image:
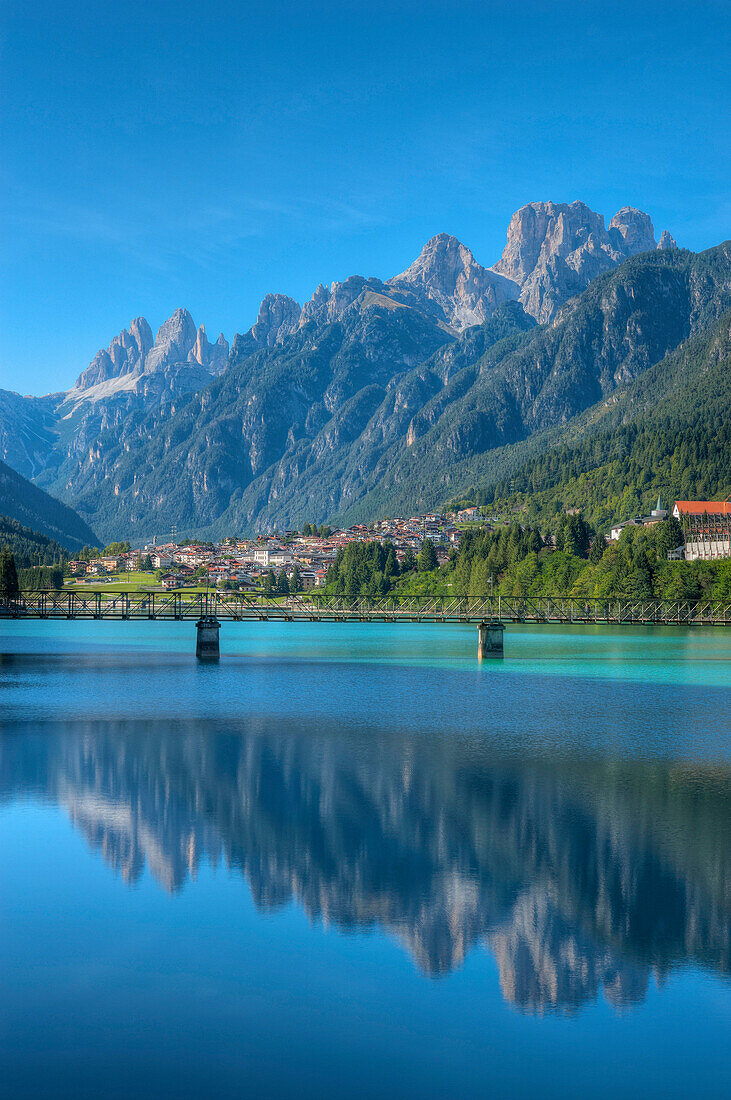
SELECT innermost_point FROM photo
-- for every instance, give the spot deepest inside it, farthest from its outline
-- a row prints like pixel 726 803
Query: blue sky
pixel 164 154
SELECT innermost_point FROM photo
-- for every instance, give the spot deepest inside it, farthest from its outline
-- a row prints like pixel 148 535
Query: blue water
pixel 347 860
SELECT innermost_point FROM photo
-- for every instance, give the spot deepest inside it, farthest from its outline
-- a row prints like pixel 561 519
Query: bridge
pixel 490 613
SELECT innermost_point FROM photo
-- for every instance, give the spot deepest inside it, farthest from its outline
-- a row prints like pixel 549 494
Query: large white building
pixel 706 528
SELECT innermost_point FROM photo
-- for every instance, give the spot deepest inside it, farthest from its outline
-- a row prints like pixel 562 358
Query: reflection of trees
pixel 578 875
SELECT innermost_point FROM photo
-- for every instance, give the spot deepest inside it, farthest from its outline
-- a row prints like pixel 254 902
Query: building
pixel 657 515
pixel 469 515
pixel 271 558
pixel 706 528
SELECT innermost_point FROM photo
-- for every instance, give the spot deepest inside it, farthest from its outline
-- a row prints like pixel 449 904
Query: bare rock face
pixel 666 241
pixel 326 305
pixel 200 351
pixel 631 231
pixel 141 333
pixel 213 357
pixel 219 354
pixel 541 230
pixel 554 250
pixel 180 358
pixel 175 338
pixel 125 353
pixel 278 316
pixel 447 274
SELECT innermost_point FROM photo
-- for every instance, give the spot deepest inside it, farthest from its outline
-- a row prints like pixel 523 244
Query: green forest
pixel 516 561
pixel 668 434
pixel 29 547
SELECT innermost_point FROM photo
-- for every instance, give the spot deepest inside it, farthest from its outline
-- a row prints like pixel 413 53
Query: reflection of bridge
pixel 490 612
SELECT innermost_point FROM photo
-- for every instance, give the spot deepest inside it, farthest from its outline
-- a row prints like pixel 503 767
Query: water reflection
pixel 580 875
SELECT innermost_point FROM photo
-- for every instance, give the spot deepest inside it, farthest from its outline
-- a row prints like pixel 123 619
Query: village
pixel 304 558
pixel 244 564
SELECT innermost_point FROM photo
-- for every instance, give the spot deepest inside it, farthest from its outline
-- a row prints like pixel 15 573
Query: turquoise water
pixel 347 860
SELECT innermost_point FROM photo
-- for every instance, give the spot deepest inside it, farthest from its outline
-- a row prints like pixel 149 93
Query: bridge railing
pixel 318 606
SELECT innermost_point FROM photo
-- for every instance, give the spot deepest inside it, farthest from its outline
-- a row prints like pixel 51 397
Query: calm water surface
pixel 348 861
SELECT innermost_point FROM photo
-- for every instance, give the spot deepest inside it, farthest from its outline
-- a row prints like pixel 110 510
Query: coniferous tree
pixel 9 587
pixel 427 559
pixel 409 563
pixel 391 567
pixel 282 584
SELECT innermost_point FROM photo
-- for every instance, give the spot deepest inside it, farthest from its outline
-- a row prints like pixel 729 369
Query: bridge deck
pixel 313 607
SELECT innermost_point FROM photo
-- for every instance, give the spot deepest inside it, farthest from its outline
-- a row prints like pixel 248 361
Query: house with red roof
pixel 706 528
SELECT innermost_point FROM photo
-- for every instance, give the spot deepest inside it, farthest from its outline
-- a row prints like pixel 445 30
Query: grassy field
pixel 120 582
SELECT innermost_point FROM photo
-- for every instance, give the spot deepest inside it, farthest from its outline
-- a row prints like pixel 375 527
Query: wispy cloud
pixel 159 238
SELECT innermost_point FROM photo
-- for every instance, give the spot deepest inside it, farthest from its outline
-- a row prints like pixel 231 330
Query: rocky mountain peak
pixel 133 356
pixel 142 334
pixel 213 357
pixel 446 274
pixel 177 335
pixel 540 230
pixel 326 305
pixel 632 231
pixel 278 316
pixel 554 250
pixel 124 355
pixel 666 241
pixel 201 348
pixel 440 264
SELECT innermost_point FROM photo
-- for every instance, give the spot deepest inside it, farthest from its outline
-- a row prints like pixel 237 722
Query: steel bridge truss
pixel 313 607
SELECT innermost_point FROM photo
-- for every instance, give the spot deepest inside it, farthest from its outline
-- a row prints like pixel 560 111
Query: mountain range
pixel 375 396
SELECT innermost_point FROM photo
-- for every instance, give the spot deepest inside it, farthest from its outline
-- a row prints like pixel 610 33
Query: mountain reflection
pixel 579 875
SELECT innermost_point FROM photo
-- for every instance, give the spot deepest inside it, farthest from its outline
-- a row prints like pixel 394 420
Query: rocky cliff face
pixel 666 240
pixel 632 232
pixel 446 275
pixel 126 351
pixel 212 357
pixel 278 317
pixel 554 250
pixel 132 357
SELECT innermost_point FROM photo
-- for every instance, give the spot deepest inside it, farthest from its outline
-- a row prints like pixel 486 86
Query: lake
pixel 349 861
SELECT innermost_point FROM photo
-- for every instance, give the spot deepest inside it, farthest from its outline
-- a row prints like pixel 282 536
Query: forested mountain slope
pixel 24 502
pixel 385 409
pixel 526 396
pixel 374 397
pixel 667 434
pixel 28 547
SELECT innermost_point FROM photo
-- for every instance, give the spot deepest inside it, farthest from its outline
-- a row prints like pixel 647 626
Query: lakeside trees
pixel 41 578
pixel 9 586
pixel 636 566
pixel 364 569
pixel 521 561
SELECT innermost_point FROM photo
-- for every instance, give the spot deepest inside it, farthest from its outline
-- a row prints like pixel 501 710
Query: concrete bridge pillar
pixel 206 646
pixel 490 640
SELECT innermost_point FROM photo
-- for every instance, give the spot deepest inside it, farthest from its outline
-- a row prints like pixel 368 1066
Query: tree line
pixel 578 562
